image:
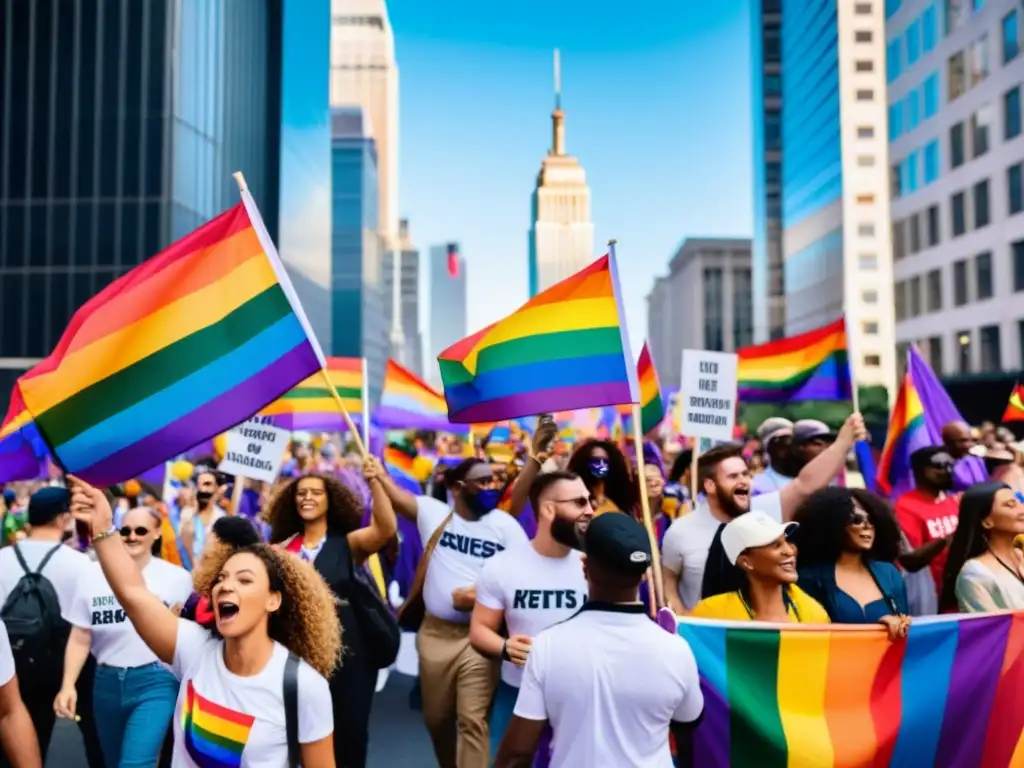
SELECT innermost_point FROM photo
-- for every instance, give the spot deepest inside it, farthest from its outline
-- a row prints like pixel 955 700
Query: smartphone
pixel 544 419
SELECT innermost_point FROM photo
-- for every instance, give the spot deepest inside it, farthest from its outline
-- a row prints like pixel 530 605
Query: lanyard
pixel 787 602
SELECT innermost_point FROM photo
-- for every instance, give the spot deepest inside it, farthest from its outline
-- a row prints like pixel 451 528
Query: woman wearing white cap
pixel 760 547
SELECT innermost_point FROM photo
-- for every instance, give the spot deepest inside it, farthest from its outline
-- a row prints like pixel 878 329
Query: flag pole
pixel 366 404
pixel 244 191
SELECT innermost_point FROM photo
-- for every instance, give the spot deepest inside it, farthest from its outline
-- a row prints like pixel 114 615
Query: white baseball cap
pixel 753 529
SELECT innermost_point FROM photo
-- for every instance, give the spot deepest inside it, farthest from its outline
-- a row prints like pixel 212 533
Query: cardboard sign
pixel 708 393
pixel 255 450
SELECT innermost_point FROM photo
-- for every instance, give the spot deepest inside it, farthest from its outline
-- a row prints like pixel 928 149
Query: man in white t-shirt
pixel 532 588
pixel 693 562
pixel 64 569
pixel 456 682
pixel 610 682
pixel 17 734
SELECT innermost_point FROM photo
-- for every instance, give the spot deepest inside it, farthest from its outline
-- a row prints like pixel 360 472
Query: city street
pixel 397 736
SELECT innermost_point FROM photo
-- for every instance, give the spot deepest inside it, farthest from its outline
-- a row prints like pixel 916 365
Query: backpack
pixel 34 624
pixel 381 635
pixel 291 710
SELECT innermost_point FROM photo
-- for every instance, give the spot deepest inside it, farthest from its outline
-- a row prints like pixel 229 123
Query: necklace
pixel 1015 572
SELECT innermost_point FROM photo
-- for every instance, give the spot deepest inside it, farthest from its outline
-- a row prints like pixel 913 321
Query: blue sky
pixel 656 96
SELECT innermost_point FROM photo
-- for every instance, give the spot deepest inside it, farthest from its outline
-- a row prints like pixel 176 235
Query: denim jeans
pixel 133 709
pixel 501 715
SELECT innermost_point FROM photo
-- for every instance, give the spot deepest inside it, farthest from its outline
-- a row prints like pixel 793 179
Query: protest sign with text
pixel 708 391
pixel 255 449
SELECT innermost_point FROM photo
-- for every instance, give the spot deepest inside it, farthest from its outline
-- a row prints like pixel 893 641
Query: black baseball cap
pixel 47 504
pixel 618 542
pixel 931 457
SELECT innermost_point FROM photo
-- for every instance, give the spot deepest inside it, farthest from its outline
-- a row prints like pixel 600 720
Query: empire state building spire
pixel 558 117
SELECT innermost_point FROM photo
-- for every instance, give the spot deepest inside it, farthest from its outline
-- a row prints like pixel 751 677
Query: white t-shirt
pixel 6 657
pixel 687 541
pixel 609 682
pixel 66 571
pixel 534 591
pixel 461 552
pixel 222 719
pixel 115 642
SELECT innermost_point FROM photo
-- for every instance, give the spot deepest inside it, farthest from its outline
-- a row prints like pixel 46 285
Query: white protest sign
pixel 708 391
pixel 255 449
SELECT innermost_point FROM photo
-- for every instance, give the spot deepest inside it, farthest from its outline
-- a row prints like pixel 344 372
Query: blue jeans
pixel 502 707
pixel 133 709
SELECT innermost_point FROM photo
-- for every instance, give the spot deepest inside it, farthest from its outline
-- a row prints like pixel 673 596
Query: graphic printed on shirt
pixel 215 736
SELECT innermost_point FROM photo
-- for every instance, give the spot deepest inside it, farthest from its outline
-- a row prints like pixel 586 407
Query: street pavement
pixel 397 735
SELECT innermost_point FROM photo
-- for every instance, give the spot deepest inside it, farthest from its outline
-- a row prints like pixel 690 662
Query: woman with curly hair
pixel 274 622
pixel 319 518
pixel 604 469
pixel 848 542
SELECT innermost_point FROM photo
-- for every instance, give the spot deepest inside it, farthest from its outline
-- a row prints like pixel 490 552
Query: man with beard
pixel 208 511
pixel 694 563
pixel 930 511
pixel 531 588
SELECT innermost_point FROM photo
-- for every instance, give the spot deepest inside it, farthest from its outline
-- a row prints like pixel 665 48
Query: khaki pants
pixel 456 685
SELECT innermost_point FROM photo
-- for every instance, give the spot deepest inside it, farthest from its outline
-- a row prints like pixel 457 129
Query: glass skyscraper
pixel 120 125
pixel 447 303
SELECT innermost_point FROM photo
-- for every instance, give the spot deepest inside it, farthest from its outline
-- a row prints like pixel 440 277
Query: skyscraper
pixel 408 298
pixel 447 304
pixel 119 133
pixel 357 304
pixel 835 179
pixel 561 233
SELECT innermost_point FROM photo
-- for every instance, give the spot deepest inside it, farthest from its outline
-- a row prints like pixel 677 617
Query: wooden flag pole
pixel 240 180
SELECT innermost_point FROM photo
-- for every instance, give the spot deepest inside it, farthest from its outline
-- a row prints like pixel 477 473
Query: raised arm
pixel 403 502
pixel 546 432
pixel 383 524
pixel 155 623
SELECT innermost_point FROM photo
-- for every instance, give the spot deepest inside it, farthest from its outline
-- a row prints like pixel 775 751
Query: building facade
pixel 955 74
pixel 835 184
pixel 357 305
pixel 120 126
pixel 766 245
pixel 407 320
pixel 448 322
pixel 705 302
pixel 561 232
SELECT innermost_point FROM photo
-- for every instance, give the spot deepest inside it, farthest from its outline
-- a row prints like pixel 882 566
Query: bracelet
pixel 504 652
pixel 106 534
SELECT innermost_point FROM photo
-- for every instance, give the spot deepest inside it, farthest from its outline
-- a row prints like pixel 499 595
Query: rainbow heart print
pixel 215 736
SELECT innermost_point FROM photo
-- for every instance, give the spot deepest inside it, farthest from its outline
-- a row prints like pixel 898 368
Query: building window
pixel 959 214
pixel 866 230
pixel 991 359
pixel 913 42
pixel 981 210
pixel 956 145
pixel 914 226
pixel 713 303
pixel 956 77
pixel 931 95
pixel 915 296
pixel 863 36
pixel 959 283
pixel 868 262
pixel 977 57
pixel 912 106
pixel 870 328
pixel 933 225
pixel 865 132
pixel 1014 190
pixel 929 28
pixel 893 60
pixel 957 13
pixel 931 161
pixel 933 291
pixel 742 309
pixel 862 9
pixel 865 94
pixel 773 131
pixel 1011 113
pixel 935 354
pixel 1011 36
pixel 872 361
pixel 865 161
pixel 1017 252
pixel 983 276
pixel 869 296
pixel 865 199
pixel 898 240
pixel 909 172
pixel 900 300
pixel 895 121
pixel 981 122
pixel 865 65
pixel 963 343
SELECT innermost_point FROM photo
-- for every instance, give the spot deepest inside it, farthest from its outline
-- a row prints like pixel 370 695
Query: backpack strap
pixel 43 562
pixel 291 709
pixel 421 570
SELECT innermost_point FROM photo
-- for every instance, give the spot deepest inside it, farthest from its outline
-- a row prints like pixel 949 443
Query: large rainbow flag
pixel 950 696
pixel 811 366
pixel 182 348
pixel 310 405
pixel 408 402
pixel 907 433
pixel 566 348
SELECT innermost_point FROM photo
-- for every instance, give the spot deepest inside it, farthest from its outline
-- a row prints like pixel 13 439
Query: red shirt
pixel 924 518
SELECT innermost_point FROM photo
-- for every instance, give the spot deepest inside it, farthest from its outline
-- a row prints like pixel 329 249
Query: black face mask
pixel 203 498
pixel 566 532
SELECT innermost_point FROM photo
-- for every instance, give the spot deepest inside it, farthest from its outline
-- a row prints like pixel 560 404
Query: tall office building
pixel 120 125
pixel 408 293
pixel 835 179
pixel 766 86
pixel 561 233
pixel 357 302
pixel 955 128
pixel 705 302
pixel 447 304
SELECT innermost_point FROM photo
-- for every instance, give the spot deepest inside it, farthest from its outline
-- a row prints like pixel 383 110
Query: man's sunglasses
pixel 580 502
pixel 139 531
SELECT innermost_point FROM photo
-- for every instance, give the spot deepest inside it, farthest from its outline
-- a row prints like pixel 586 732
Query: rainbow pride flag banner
pixel 408 402
pixel 950 696
pixel 566 348
pixel 401 466
pixel 185 346
pixel 652 404
pixel 907 433
pixel 310 406
pixel 811 366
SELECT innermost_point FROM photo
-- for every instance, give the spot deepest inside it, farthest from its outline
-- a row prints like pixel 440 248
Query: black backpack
pixel 34 624
pixel 377 624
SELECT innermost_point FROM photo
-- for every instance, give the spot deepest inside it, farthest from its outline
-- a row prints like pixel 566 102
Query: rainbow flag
pixel 399 464
pixel 652 405
pixel 565 348
pixel 907 433
pixel 811 366
pixel 23 452
pixel 408 402
pixel 182 348
pixel 214 736
pixel 1015 408
pixel 310 406
pixel 950 696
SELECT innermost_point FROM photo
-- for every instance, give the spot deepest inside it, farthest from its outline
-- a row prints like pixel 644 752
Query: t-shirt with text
pixel 115 642
pixel 221 719
pixel 924 518
pixel 534 591
pixel 461 552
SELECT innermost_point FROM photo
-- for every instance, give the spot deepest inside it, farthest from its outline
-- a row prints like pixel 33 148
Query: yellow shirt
pixel 606 506
pixel 729 607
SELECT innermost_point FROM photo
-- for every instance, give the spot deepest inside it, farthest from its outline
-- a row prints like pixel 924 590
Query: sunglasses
pixel 860 519
pixel 140 531
pixel 580 502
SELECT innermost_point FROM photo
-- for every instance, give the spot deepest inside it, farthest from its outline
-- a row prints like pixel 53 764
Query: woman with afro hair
pixel 319 518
